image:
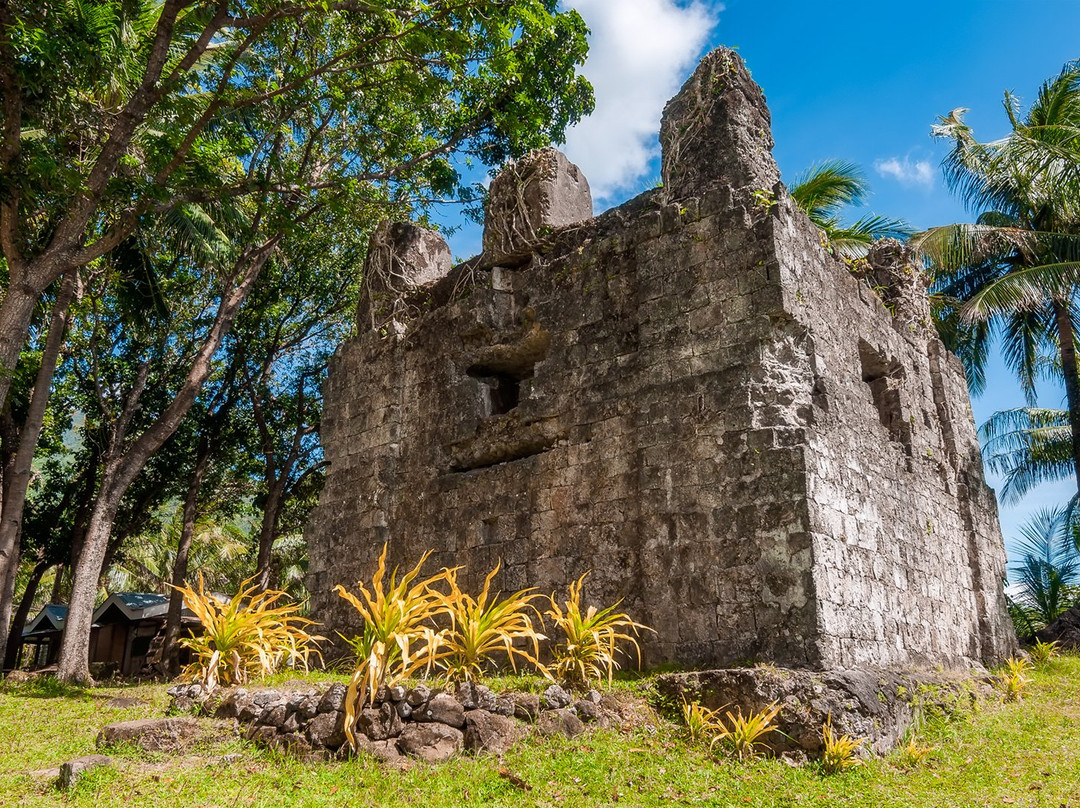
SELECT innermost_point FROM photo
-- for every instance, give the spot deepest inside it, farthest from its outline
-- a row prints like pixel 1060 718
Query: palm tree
pixel 1047 572
pixel 1028 446
pixel 1014 273
pixel 219 550
pixel 824 189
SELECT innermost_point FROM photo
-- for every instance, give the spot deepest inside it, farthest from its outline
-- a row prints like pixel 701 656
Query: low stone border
pixel 875 704
pixel 433 724
pixel 422 722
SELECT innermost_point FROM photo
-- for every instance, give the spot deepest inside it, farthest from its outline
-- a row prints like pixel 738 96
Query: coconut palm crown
pixel 823 190
pixel 1014 273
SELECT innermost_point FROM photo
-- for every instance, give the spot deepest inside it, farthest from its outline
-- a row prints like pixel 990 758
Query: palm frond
pixel 1047 569
pixel 1024 289
pixel 1029 446
pixel 822 190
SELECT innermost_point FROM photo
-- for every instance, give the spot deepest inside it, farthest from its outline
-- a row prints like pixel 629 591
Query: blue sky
pixel 855 81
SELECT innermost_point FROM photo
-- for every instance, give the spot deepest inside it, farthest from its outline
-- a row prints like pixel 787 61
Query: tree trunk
pixel 170 651
pixel 121 470
pixel 17 475
pixel 58 584
pixel 1067 349
pixel 271 510
pixel 16 314
pixel 74 666
pixel 22 613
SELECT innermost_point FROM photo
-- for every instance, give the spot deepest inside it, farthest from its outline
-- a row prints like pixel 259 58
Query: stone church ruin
pixel 764 456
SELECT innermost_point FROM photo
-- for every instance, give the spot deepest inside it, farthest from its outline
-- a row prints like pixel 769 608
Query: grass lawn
pixel 1018 754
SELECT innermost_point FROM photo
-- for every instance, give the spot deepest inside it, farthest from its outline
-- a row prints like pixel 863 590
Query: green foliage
pixel 184 153
pixel 219 550
pixel 838 752
pixel 1028 446
pixel 1012 680
pixel 1047 570
pixel 822 191
pixel 1043 652
pixel 402 88
pixel 764 199
pixel 250 634
pixel 590 637
pixel 485 628
pixel 1013 273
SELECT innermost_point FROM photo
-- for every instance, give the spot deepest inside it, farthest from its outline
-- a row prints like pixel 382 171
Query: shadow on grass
pixel 46 687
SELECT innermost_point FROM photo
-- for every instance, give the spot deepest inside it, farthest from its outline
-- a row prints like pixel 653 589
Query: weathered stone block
pixel 559 722
pixel 555 697
pixel 442 709
pixel 433 743
pixel 875 705
pixel 402 259
pixel 327 729
pixel 151 734
pixel 72 770
pixel 488 732
pixel 526 706
pixel 717 132
pixel 529 199
pixel 333 699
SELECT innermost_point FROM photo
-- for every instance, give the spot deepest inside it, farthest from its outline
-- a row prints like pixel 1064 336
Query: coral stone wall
pixel 691 398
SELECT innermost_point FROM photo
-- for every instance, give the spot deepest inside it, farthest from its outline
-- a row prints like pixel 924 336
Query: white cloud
pixel 906 171
pixel 640 53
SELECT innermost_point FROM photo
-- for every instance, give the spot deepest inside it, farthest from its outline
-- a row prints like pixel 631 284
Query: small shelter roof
pixel 134 606
pixel 51 618
pixel 131 606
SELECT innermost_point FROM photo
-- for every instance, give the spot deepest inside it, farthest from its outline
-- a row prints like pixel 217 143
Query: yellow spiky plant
pixel 251 634
pixel 485 627
pixel 1013 678
pixel 591 637
pixel 743 733
pixel 838 752
pixel 702 724
pixel 398 639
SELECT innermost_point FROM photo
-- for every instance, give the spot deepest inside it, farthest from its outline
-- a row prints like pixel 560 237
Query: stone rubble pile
pixel 422 722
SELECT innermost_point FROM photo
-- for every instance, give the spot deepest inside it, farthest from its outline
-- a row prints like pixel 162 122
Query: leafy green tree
pixel 824 190
pixel 116 110
pixel 270 120
pixel 292 327
pixel 1013 273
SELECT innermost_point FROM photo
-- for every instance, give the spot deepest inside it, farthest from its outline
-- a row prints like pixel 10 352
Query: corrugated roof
pixel 136 605
pixel 50 618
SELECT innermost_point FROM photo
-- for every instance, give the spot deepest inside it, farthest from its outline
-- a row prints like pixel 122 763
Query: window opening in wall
pixel 885 378
pixel 500 392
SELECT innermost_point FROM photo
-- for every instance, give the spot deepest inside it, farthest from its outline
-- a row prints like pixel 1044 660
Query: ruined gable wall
pixel 672 396
pixel 639 460
pixel 908 549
